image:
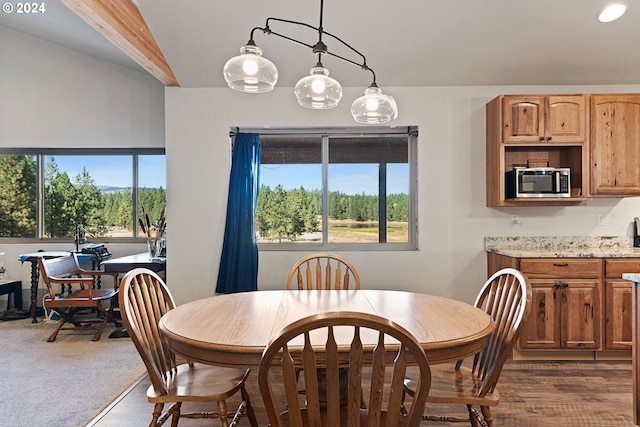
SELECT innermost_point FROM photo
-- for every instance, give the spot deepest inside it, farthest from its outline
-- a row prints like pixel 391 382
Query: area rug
pixel 64 383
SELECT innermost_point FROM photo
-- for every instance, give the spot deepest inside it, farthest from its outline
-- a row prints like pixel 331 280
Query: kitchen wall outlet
pixel 600 219
pixel 515 219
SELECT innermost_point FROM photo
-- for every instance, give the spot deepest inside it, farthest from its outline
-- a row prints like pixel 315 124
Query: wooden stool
pixel 12 287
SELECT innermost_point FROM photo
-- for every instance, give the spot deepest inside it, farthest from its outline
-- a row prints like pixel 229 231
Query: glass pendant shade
pixel 374 107
pixel 250 72
pixel 318 90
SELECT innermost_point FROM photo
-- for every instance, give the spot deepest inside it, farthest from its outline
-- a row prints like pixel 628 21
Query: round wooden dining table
pixel 234 329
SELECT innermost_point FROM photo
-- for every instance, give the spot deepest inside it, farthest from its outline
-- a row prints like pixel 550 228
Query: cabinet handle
pixel 565 285
pixel 541 138
pixel 548 138
pixel 560 264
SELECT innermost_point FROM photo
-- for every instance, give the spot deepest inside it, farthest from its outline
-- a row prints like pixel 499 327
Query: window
pixel 339 188
pixel 94 190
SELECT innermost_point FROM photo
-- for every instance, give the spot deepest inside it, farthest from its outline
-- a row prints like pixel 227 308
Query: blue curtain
pixel 239 261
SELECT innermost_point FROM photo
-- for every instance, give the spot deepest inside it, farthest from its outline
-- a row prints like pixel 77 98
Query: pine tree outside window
pixel 97 189
pixel 337 189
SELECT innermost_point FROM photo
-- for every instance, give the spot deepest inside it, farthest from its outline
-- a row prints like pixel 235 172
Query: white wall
pixel 452 217
pixel 54 96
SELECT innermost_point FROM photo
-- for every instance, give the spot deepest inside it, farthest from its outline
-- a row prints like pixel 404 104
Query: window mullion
pixel 325 189
pixel 382 202
pixel 134 195
pixel 40 185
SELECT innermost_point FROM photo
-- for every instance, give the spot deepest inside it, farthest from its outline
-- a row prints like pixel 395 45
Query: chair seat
pixel 200 383
pixel 465 386
pixel 80 296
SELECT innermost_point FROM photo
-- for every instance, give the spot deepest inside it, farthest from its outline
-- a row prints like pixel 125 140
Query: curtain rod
pixel 337 131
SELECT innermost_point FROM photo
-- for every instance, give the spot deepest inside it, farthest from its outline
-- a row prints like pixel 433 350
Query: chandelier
pixel 250 72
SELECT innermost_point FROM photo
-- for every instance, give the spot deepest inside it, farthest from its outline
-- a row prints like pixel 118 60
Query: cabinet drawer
pixel 561 267
pixel 614 268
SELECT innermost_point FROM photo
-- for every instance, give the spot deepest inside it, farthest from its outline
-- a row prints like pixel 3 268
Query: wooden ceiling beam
pixel 120 22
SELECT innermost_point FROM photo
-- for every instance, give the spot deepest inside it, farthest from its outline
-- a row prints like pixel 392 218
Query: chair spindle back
pixel 323 271
pixel 506 297
pixel 143 299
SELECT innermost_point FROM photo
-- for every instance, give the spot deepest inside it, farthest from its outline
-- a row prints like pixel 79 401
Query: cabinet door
pixel 615 145
pixel 618 312
pixel 541 329
pixel 523 118
pixel 566 118
pixel 580 318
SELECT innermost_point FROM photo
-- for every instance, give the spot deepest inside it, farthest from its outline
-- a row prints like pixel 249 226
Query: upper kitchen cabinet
pixel 535 131
pixel 552 119
pixel 615 145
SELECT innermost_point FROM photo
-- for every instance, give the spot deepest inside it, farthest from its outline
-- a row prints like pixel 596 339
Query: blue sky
pixel 116 171
pixel 346 178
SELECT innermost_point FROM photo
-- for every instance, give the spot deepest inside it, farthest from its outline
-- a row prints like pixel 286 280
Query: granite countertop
pixel 563 247
pixel 634 277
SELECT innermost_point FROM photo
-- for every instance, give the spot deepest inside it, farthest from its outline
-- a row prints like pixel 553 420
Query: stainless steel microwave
pixel 537 182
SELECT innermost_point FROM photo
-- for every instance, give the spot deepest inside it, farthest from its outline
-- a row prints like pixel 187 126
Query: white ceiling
pixel 406 42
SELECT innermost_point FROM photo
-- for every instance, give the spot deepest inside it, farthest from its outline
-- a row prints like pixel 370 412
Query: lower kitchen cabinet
pixel 619 320
pixel 541 328
pixel 565 314
pixel 566 309
pixel 619 303
pixel 577 303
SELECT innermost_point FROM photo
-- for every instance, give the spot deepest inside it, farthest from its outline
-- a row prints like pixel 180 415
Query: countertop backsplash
pixel 563 246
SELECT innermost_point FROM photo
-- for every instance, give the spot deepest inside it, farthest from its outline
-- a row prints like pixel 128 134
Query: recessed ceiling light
pixel 612 12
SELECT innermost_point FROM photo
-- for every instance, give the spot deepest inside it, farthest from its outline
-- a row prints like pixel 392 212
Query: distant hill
pixel 106 189
pixel 109 189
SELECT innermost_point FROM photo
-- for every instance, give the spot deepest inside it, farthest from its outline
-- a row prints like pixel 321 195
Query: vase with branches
pixel 152 231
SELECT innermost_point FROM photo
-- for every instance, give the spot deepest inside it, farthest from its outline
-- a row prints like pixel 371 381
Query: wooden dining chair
pixel 323 271
pixel 372 347
pixel 143 299
pixel 506 297
pixel 76 292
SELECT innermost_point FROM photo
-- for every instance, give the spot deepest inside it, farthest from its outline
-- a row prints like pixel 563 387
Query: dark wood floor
pixel 567 394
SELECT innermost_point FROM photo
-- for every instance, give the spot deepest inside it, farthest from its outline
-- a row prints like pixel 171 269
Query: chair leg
pixel 106 317
pixel 487 414
pixel 112 318
pixel 64 317
pixel 176 408
pixel 475 418
pixel 250 412
pixel 157 411
pixel 222 413
pixel 160 418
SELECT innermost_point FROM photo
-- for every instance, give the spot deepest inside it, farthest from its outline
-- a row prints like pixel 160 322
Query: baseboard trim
pixel 122 395
pixel 551 355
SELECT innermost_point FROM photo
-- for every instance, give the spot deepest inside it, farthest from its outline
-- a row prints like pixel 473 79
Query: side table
pixel 127 263
pixel 12 287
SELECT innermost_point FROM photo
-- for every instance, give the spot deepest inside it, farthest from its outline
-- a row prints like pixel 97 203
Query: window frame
pixel 41 153
pixel 325 133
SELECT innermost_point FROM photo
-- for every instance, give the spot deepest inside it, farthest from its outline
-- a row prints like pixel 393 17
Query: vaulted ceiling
pixel 406 42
